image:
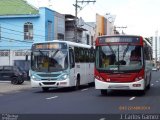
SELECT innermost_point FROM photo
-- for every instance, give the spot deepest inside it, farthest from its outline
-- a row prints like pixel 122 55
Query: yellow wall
pixel 100 27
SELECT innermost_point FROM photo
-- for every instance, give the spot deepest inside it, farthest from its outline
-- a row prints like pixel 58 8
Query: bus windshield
pixel 119 58
pixel 49 60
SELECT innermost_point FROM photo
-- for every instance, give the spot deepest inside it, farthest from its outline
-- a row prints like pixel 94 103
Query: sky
pixel 141 17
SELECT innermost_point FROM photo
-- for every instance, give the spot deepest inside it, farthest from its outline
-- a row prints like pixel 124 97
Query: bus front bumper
pixel 45 83
pixel 138 85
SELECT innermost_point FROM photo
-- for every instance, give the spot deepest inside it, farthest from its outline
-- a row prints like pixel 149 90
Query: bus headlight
pixel 65 76
pixel 33 78
pixel 138 78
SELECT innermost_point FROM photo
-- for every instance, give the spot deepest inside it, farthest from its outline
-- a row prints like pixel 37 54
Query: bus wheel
pixel 149 85
pixel 45 89
pixel 103 92
pixel 143 92
pixel 92 84
pixel 77 86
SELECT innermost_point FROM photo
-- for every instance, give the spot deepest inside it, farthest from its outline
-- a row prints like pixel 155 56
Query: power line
pixel 16 40
pixel 20 32
pixel 21 26
pixel 16 34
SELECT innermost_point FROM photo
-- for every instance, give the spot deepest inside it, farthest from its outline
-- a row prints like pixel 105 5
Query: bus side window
pixel 77 54
pixel 146 53
pixel 71 58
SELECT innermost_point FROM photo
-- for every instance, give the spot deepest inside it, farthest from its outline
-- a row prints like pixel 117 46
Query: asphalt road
pixel 87 100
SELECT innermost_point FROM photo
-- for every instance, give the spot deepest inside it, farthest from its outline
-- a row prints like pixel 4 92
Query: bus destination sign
pixel 48 46
pixel 103 40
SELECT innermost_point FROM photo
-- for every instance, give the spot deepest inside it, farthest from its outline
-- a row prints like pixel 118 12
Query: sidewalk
pixel 7 87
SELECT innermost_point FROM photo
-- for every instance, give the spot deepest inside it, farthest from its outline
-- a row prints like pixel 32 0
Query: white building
pixel 88 36
pixel 156 47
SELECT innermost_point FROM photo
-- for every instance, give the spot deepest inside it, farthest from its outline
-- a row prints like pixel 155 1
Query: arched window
pixel 28 31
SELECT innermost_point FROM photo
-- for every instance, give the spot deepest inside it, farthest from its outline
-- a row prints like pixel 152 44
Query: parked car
pixel 154 69
pixel 13 73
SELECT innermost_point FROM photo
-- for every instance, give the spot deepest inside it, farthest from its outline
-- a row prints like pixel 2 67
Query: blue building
pixel 21 25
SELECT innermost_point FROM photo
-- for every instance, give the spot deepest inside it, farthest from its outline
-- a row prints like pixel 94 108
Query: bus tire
pixel 92 84
pixel 143 92
pixel 77 86
pixel 149 85
pixel 103 92
pixel 45 89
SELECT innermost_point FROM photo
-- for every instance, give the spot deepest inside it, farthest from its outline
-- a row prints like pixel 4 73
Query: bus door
pixel 88 66
pixel 72 67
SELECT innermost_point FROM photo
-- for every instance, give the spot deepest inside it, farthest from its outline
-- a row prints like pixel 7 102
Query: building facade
pixel 156 48
pixel 89 36
pixel 104 26
pixel 21 25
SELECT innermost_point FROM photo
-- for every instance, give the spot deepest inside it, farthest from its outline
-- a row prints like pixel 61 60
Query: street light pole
pixel 76 9
pixel 156 33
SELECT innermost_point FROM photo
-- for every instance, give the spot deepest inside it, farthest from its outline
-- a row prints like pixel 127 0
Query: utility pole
pixel 156 36
pixel 76 11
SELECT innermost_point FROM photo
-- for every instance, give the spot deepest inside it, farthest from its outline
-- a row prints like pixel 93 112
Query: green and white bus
pixel 61 64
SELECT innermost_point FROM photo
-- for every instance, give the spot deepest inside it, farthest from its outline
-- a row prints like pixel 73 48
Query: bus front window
pixel 49 61
pixel 119 57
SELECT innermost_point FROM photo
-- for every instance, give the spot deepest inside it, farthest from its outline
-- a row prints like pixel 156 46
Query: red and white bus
pixel 123 62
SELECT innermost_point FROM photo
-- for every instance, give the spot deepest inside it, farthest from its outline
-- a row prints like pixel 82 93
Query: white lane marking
pixel 84 89
pixel 102 119
pixel 132 98
pixel 152 84
pixel 157 81
pixel 51 97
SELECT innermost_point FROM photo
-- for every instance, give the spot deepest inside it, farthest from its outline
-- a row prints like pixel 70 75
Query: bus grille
pixel 118 87
pixel 48 75
pixel 48 83
pixel 49 79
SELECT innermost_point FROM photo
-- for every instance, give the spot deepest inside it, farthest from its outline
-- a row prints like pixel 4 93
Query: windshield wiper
pixel 111 49
pixel 55 53
pixel 41 53
pixel 125 51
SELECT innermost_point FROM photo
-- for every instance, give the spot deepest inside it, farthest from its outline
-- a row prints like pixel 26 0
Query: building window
pixel 28 31
pixel 4 53
pixel 20 53
pixel 92 40
pixel 60 36
pixel 49 30
pixel 87 39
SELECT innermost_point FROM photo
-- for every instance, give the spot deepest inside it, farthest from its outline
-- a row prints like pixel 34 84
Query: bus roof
pixel 67 42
